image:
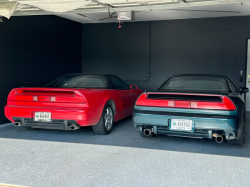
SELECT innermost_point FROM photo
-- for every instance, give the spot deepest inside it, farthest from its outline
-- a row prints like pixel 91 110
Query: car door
pixel 127 96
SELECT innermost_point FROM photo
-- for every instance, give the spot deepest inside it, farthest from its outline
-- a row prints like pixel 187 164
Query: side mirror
pixel 133 87
pixel 244 90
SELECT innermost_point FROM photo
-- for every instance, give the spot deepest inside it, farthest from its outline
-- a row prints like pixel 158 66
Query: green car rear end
pixel 188 115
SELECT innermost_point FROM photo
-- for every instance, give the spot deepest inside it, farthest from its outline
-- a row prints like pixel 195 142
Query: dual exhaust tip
pixel 218 138
pixel 71 127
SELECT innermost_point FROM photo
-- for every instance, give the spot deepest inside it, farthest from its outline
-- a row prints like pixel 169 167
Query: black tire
pixel 104 126
pixel 143 135
pixel 237 141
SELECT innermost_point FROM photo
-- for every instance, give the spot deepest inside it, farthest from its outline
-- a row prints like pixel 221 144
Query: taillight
pixel 224 104
pixel 61 97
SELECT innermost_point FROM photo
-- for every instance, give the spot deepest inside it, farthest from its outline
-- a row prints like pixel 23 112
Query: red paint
pixel 85 106
pixel 225 104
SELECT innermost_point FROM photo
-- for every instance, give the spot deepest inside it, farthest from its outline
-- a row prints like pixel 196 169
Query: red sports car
pixel 72 101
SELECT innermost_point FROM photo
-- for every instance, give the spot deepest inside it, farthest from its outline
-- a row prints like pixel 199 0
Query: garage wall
pixel 211 46
pixel 36 50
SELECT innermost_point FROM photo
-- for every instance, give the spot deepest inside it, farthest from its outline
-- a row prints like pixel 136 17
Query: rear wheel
pixel 104 126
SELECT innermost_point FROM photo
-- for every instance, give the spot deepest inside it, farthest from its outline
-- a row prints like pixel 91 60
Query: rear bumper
pixel 206 122
pixel 53 124
pixel 80 115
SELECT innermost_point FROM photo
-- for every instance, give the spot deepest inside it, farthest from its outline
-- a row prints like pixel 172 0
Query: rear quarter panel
pixel 97 99
pixel 239 102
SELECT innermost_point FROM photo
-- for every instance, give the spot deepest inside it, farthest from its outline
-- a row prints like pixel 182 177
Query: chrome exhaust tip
pixel 16 124
pixel 147 132
pixel 219 139
pixel 73 127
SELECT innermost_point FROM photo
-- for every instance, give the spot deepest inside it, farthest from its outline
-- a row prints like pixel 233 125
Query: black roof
pixel 102 74
pixel 205 75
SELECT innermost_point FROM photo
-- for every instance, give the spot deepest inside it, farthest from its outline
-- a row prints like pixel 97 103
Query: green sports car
pixel 193 105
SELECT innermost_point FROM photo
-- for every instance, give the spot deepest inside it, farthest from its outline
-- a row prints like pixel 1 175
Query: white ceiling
pixel 208 11
pixel 105 11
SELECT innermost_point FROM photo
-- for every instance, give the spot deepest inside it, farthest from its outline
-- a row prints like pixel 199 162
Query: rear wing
pixel 192 101
pixel 46 95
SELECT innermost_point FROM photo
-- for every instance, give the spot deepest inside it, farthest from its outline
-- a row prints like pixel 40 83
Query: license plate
pixel 181 125
pixel 42 116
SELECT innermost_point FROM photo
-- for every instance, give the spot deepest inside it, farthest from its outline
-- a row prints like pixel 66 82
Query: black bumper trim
pixel 185 114
pixel 53 124
pixel 183 134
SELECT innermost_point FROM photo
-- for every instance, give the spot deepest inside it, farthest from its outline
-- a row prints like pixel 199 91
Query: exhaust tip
pixel 147 132
pixel 16 124
pixel 219 139
pixel 73 127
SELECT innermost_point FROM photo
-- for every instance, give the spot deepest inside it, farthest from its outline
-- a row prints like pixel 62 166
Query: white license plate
pixel 181 125
pixel 42 116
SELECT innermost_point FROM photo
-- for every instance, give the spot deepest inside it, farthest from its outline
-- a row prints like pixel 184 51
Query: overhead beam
pixel 7 8
pixel 99 3
pixel 130 8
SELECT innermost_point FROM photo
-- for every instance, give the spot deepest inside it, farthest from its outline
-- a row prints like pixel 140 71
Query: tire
pixel 143 135
pixel 237 141
pixel 104 126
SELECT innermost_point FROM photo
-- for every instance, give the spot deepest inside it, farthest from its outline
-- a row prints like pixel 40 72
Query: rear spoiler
pixel 46 95
pixel 186 100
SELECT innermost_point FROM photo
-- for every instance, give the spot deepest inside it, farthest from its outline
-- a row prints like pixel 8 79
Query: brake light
pixel 224 104
pixel 43 96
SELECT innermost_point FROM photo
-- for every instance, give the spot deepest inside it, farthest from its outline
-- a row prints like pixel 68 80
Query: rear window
pixel 196 83
pixel 78 81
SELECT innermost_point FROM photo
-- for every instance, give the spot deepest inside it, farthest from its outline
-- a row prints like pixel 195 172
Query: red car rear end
pixel 68 108
pixel 63 104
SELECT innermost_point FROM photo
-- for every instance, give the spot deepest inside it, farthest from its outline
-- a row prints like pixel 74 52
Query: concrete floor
pixel 123 158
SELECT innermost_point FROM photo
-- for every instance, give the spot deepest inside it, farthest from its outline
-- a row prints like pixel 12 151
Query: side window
pixel 231 86
pixel 118 83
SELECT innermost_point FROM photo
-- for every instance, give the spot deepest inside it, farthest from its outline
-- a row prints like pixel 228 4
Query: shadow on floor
pixel 123 134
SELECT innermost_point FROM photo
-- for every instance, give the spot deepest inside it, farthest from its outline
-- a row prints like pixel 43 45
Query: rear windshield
pixel 79 81
pixel 196 83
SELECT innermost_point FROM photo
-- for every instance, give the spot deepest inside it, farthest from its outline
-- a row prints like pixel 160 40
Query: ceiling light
pixel 126 15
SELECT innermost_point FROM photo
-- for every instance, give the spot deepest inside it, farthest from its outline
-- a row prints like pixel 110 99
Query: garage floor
pixel 123 158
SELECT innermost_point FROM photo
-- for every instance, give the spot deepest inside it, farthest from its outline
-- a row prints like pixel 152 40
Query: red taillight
pixel 60 97
pixel 224 104
pixel 68 99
